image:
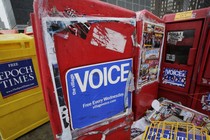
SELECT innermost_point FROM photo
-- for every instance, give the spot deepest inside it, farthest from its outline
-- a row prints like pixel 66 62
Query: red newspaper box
pixel 185 62
pixel 96 62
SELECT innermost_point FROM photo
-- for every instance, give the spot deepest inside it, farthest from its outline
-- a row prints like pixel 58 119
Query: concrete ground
pixel 42 132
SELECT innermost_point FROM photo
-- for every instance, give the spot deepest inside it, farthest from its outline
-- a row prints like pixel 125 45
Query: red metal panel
pixel 119 128
pixel 46 80
pixel 143 98
pixel 207 69
pixel 204 74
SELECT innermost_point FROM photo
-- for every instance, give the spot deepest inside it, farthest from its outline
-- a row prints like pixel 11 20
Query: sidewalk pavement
pixel 43 132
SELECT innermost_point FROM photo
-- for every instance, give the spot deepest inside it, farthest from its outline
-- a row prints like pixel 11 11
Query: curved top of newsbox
pixel 187 15
pixel 146 15
pixel 80 8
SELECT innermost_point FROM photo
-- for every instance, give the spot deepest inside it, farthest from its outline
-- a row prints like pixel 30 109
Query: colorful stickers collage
pixel 150 53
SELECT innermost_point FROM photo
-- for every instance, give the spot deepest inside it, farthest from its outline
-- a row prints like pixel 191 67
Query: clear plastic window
pixel 178 46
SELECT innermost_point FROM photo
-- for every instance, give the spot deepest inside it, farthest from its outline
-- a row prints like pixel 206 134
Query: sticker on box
pixel 174 77
pixel 17 76
pixel 152 54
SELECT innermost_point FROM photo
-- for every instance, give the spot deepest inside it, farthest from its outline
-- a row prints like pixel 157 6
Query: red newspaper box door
pixel 181 55
pixel 150 36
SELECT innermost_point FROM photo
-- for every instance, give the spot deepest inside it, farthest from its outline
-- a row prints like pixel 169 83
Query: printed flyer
pixel 153 35
pixel 17 76
pixel 205 101
pixel 174 37
pixel 174 77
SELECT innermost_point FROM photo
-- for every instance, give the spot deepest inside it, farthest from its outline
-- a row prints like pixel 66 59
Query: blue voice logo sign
pixel 104 77
pixel 97 92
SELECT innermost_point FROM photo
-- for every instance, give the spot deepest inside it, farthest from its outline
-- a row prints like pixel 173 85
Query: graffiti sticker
pixel 174 77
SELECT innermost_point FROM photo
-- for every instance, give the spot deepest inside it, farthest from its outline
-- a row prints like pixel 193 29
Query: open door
pixel 179 59
pixel 179 54
pixel 182 53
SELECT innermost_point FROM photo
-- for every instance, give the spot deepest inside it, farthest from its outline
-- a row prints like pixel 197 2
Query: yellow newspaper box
pixel 22 106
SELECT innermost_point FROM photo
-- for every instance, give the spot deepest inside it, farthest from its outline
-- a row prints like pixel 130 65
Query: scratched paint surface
pixel 109 39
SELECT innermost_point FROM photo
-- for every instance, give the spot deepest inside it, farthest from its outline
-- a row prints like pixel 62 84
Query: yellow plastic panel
pixel 25 109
